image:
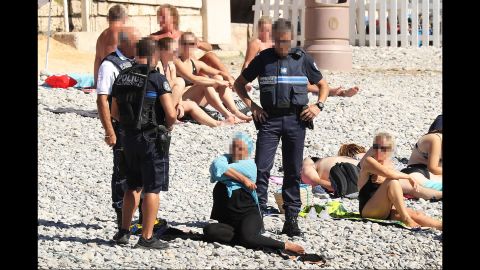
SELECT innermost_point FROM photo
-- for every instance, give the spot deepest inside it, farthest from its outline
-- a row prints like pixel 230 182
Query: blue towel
pixel 83 79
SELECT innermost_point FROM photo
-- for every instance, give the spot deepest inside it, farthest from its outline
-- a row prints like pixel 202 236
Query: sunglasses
pixel 382 148
pixel 189 43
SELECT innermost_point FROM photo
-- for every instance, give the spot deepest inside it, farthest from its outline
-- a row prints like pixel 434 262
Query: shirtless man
pixel 108 39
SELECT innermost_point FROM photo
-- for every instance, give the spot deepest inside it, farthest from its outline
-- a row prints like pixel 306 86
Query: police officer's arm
pixel 104 114
pixel 104 84
pixel 166 99
pixel 199 80
pixel 248 75
pixel 314 77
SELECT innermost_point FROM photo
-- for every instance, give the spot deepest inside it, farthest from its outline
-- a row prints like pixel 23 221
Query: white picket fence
pixel 371 14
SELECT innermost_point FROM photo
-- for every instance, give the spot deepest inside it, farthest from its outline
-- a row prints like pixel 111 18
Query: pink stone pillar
pixel 327 34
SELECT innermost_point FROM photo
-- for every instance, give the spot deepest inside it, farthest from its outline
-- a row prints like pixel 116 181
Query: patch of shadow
pixel 97 241
pixel 62 225
pixel 84 113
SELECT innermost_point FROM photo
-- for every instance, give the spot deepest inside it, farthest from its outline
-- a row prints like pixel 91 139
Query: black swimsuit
pixel 194 72
pixel 366 192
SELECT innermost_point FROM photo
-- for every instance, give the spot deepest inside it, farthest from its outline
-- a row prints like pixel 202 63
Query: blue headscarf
pixel 246 139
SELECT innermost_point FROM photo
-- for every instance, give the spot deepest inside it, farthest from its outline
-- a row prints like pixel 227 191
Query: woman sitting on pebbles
pixel 380 192
pixel 235 202
pixel 212 90
pixel 264 41
pixel 167 47
pixel 425 163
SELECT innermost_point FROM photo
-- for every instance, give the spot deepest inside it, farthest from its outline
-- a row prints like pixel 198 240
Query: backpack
pixel 344 177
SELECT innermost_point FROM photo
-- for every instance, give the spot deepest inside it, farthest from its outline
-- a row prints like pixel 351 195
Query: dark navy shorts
pixel 147 166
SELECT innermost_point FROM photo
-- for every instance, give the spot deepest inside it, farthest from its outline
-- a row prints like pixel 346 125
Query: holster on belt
pixel 163 139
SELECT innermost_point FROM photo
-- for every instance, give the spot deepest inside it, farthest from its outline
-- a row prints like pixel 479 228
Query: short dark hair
pixel 282 26
pixel 165 43
pixel 146 47
pixel 116 13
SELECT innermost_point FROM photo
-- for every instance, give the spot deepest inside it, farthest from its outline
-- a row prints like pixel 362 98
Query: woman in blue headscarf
pixel 235 202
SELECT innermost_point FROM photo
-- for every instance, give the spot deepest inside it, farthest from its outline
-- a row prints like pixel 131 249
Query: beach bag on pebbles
pixel 306 197
pixel 344 177
pixel 63 81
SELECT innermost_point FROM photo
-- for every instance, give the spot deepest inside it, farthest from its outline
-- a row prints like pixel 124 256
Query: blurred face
pixel 170 53
pixel 283 43
pixel 265 32
pixel 238 150
pixel 165 20
pixel 188 45
pixel 382 148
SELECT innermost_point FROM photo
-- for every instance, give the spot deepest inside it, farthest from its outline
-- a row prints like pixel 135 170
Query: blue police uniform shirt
pixel 283 81
pixel 157 85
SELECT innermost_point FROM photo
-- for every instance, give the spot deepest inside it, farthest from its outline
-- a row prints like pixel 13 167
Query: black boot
pixel 290 227
pixel 119 217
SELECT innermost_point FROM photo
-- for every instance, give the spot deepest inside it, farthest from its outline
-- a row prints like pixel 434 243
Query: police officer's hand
pixel 259 115
pixel 111 140
pixel 311 112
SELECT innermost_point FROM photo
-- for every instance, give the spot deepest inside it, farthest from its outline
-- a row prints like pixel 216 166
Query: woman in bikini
pixel 264 41
pixel 168 47
pixel 425 163
pixel 213 90
pixel 169 21
pixel 380 192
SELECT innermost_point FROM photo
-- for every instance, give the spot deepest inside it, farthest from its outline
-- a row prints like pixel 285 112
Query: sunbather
pixel 215 91
pixel 380 192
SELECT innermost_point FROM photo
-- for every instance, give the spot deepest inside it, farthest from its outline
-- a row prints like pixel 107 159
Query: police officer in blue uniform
pixel 142 98
pixel 121 59
pixel 283 73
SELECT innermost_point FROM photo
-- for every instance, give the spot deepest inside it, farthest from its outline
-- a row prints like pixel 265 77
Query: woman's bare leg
pixel 423 192
pixel 420 218
pixel 380 204
pixel 338 91
pixel 198 93
pixel 201 116
pixel 226 95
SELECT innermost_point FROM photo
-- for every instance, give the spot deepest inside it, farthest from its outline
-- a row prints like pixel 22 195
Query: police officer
pixel 283 74
pixel 111 65
pixel 142 98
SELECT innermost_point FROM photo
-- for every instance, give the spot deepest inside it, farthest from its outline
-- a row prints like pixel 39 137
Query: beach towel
pixel 337 211
pixel 84 80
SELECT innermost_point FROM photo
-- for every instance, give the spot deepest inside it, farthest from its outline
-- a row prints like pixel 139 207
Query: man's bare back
pixel 106 43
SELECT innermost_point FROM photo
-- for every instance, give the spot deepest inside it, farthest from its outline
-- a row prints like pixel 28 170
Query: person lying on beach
pixel 108 40
pixel 169 21
pixel 264 41
pixel 425 162
pixel 316 171
pixel 168 48
pixel 235 201
pixel 380 192
pixel 212 90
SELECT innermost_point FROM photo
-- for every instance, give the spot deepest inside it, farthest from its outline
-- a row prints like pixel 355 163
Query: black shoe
pixel 152 243
pixel 268 210
pixel 290 227
pixel 122 237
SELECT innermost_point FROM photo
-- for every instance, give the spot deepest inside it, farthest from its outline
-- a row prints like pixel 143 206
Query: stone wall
pixel 142 14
